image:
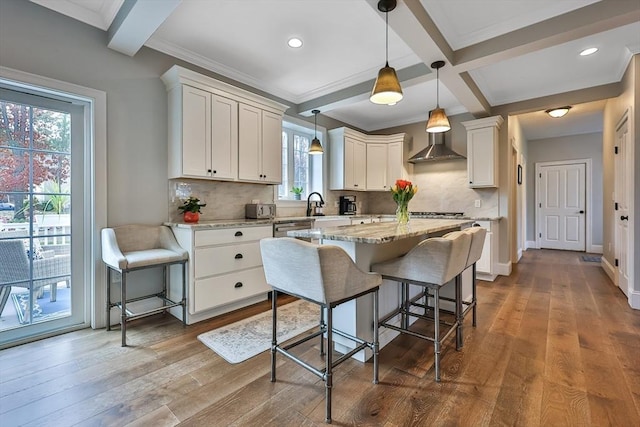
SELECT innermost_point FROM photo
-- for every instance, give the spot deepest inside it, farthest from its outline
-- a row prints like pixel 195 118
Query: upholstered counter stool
pixel 135 247
pixel 324 275
pixel 462 305
pixel 432 263
pixel 478 235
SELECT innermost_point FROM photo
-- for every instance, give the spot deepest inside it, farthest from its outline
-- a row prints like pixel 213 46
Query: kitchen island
pixel 368 244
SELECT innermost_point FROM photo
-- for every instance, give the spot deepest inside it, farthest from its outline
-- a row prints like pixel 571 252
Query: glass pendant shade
pixel 387 88
pixel 438 121
pixel 316 146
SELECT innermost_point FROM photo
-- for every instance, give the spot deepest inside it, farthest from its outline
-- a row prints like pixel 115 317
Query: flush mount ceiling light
pixel 558 112
pixel 438 121
pixel 589 51
pixel 294 42
pixel 316 147
pixel 387 88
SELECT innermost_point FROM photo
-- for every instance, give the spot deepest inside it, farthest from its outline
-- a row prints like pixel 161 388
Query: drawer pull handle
pixel 238 256
pixel 238 234
pixel 238 285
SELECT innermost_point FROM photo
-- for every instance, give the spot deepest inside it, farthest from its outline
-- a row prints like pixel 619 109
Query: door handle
pixel 624 218
pixel 581 212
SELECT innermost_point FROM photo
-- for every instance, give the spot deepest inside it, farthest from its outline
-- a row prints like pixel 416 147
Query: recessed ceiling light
pixel 589 51
pixel 558 112
pixel 294 42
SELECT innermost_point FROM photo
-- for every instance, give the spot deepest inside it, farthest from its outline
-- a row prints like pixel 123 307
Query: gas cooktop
pixel 436 214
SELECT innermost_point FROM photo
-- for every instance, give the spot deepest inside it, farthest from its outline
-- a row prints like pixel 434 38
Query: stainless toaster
pixel 260 211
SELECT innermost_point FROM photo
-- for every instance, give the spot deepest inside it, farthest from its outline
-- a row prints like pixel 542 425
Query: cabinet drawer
pixel 231 235
pixel 227 288
pixel 224 259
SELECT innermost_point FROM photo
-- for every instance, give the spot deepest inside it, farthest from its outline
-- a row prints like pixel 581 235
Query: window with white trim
pixel 299 169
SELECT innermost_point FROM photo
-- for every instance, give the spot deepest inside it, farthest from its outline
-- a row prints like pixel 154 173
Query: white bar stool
pixel 432 263
pixel 324 275
pixel 135 247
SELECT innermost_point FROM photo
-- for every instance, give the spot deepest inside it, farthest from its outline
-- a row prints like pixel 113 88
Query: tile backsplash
pixel 225 200
pixel 442 187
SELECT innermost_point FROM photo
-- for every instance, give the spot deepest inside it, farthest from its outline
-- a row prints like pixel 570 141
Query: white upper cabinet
pixel 218 131
pixel 397 168
pixel 224 138
pixel 260 145
pixel 482 151
pixel 347 157
pixel 377 166
pixel 366 162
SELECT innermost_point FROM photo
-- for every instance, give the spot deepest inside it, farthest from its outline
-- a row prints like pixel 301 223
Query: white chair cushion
pixel 324 274
pixel 135 246
pixel 435 261
pixel 137 259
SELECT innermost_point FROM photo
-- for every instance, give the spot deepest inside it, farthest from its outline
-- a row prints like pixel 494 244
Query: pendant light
pixel 438 121
pixel 316 147
pixel 387 88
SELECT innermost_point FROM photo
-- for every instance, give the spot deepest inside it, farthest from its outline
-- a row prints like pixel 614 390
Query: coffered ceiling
pixel 515 54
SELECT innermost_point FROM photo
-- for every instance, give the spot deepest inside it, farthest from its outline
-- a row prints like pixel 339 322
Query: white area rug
pixel 239 341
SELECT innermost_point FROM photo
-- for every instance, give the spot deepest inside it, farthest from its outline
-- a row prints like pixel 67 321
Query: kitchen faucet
pixel 309 202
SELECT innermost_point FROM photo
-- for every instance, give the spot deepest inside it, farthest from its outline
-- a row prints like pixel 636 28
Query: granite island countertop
pixel 381 232
pixel 242 222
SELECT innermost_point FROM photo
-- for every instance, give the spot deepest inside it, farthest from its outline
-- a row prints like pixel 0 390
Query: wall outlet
pixel 477 203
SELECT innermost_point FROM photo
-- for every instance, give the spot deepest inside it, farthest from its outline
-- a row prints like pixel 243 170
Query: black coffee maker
pixel 347 205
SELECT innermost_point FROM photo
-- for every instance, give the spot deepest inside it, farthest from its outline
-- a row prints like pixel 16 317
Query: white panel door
pixel 561 206
pixel 622 192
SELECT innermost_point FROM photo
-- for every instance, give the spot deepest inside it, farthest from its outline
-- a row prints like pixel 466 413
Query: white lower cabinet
pixel 224 269
pixel 486 265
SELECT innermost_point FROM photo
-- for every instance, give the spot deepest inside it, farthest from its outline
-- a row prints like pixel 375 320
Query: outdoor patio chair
pixel 14 270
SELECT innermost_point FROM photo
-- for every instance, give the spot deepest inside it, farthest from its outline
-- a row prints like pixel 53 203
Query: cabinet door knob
pixel 238 285
pixel 215 171
pixel 208 170
pixel 238 234
pixel 238 256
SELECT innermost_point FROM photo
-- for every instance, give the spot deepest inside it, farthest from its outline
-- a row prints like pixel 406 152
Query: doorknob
pixel 624 218
pixel 581 212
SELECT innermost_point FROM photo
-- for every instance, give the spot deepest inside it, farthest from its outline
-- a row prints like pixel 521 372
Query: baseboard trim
pixel 503 269
pixel 634 299
pixel 596 249
pixel 609 270
pixel 531 244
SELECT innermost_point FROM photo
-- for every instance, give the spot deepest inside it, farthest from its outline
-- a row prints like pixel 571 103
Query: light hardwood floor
pixel 556 345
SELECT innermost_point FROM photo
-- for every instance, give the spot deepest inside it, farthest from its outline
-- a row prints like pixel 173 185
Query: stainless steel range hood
pixel 437 150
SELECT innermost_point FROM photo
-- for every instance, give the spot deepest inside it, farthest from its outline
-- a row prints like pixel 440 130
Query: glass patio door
pixel 40 139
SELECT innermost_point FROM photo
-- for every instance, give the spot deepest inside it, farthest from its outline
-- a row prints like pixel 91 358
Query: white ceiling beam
pixel 136 21
pixel 592 19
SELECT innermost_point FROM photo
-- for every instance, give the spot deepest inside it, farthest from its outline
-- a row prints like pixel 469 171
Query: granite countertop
pixel 242 222
pixel 381 232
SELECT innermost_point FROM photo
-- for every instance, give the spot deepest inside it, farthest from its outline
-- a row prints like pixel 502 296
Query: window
pixel 299 169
